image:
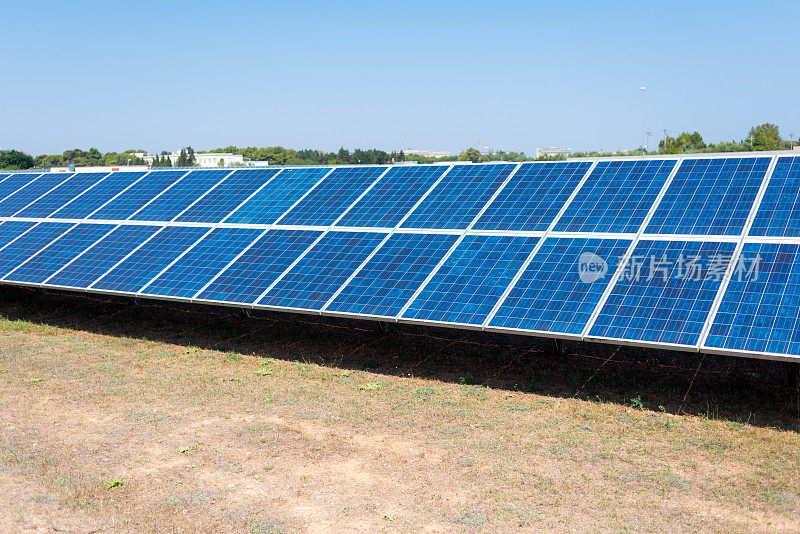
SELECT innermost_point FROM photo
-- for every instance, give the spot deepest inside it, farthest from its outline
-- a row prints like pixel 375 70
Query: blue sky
pixel 391 75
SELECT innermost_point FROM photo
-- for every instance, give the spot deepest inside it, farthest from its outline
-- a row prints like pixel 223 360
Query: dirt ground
pixel 164 418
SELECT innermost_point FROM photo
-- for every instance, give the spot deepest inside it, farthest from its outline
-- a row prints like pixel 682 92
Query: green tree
pixel 470 154
pixel 190 159
pixel 15 160
pixel 765 137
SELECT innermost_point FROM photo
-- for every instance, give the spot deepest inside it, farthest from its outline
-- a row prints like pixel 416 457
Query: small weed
pixel 637 403
pixel 263 372
pixel 390 516
pixel 233 357
pixel 370 386
pixel 116 483
pixel 268 527
pixel 426 391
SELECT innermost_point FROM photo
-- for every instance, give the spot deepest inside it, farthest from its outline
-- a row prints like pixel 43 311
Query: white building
pixel 427 153
pixel 209 159
pixel 551 151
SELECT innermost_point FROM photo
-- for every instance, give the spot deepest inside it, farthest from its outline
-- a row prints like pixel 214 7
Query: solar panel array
pixel 684 252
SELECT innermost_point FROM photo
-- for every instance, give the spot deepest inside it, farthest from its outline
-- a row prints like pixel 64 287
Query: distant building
pixel 427 153
pixel 129 168
pixel 208 159
pixel 551 151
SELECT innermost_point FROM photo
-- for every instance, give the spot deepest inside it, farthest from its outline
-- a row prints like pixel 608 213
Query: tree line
pixel 763 137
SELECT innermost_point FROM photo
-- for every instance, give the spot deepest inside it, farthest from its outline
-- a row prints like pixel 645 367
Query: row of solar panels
pixel 451 272
pixel 705 196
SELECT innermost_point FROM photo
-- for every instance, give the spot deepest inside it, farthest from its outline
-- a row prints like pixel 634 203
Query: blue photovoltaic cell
pixel 30 243
pixel 24 196
pixel 10 230
pixel 13 182
pixel 216 205
pixel 393 274
pixel 138 269
pixel 616 197
pixel 709 196
pixel 137 195
pixel 779 211
pixel 332 197
pixel 459 197
pixel 101 257
pixel 250 275
pixel 533 197
pixel 277 196
pixel 95 197
pixel 180 196
pixel 391 198
pixel 198 266
pixel 59 253
pixel 472 279
pixel 558 291
pixel 760 309
pixel 665 292
pixel 62 194
pixel 322 271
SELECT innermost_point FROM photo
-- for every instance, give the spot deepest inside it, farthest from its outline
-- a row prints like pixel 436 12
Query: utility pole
pixel 665 139
pixel 791 141
pixel 644 146
pixel 649 137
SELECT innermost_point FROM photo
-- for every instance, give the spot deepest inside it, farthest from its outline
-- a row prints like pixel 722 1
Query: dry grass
pixel 163 419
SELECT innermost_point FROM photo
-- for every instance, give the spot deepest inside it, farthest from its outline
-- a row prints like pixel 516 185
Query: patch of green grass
pixel 370 386
pixel 116 483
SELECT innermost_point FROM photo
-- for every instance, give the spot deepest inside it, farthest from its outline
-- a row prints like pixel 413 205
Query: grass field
pixel 163 418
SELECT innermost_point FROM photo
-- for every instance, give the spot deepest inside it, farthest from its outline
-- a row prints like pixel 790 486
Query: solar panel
pixel 28 244
pixel 709 196
pixel 30 192
pixel 171 202
pixel 14 183
pixel 190 273
pixel 397 192
pixel 533 197
pixel 11 230
pixel 316 277
pixel 392 276
pixel 459 197
pixel 137 195
pixel 247 278
pixel 101 256
pixel 760 307
pixel 529 248
pixel 665 292
pixel 561 286
pixel 61 194
pixel 472 279
pixel 616 197
pixel 223 199
pixel 326 202
pixel 58 253
pixel 779 211
pixel 146 262
pixel 276 197
pixel 95 197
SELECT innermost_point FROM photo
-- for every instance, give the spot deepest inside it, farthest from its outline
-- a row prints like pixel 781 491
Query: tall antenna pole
pixel 644 131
